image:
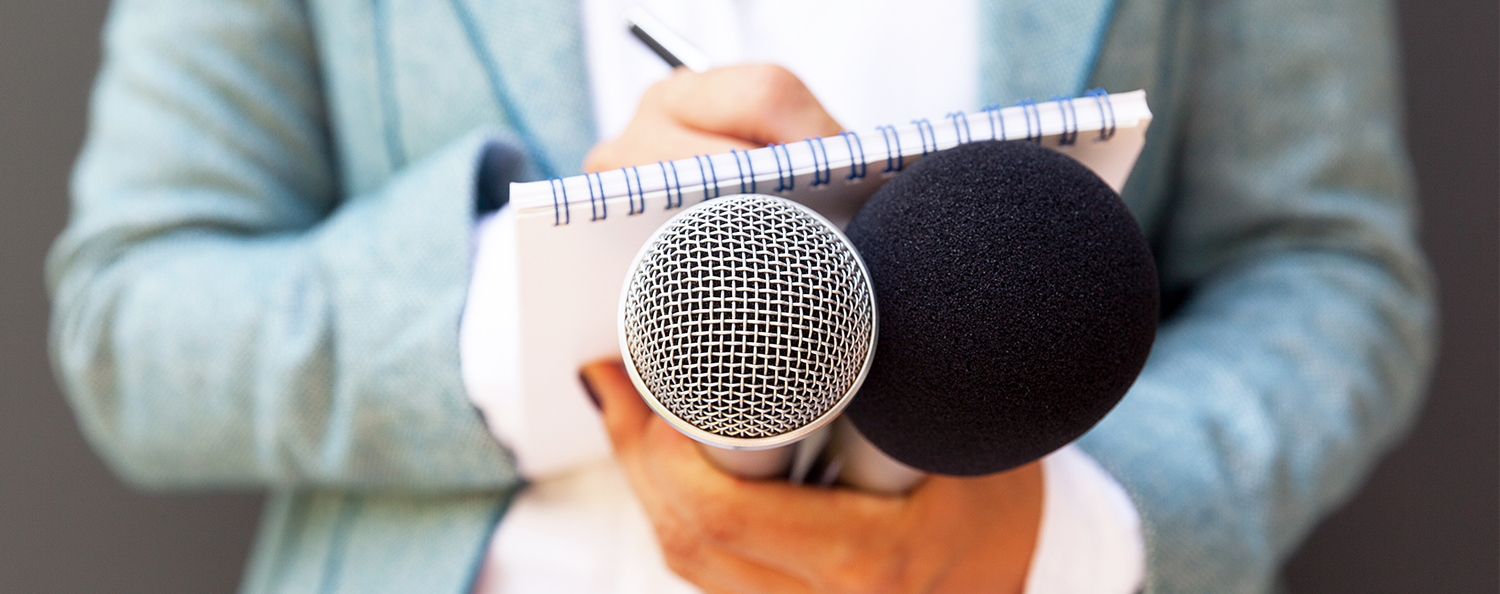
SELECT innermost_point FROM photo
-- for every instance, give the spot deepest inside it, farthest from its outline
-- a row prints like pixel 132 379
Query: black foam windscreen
pixel 1018 302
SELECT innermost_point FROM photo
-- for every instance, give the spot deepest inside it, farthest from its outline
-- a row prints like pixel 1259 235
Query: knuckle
pixel 865 576
pixel 677 544
pixel 718 523
pixel 776 77
pixel 705 502
pixel 597 158
pixel 680 566
pixel 670 95
pixel 658 91
pixel 773 87
pixel 682 557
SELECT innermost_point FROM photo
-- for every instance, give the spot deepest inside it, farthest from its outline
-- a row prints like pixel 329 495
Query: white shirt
pixel 581 529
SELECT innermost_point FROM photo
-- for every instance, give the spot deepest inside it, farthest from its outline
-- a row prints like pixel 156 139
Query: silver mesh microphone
pixel 748 322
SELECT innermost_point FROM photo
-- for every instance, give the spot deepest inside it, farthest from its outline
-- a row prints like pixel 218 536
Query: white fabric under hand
pixel 1090 539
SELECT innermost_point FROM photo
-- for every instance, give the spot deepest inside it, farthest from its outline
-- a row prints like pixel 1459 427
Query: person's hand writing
pixel 734 107
pixel 727 534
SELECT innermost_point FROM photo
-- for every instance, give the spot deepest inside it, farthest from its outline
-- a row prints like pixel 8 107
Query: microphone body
pixel 850 459
pixel 1018 302
pixel 748 323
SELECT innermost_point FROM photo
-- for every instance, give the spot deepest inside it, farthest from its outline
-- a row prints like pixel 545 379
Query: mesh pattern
pixel 748 318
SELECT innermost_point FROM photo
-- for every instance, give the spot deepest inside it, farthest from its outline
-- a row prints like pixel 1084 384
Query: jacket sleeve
pixel 1305 333
pixel 222 315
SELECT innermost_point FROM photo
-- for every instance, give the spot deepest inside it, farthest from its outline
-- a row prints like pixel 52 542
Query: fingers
pixel 728 534
pixel 625 415
pixel 809 532
pixel 730 108
pixel 836 551
pixel 760 103
pixel 644 442
pixel 649 142
pixel 663 467
pixel 715 570
pixel 951 535
pixel 773 523
pixel 997 535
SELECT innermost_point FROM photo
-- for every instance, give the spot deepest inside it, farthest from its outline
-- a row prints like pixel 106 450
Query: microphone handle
pixel 794 461
pixel 852 460
pixel 840 451
pixel 753 464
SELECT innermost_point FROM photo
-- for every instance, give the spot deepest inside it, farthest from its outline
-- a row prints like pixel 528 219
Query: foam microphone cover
pixel 1018 301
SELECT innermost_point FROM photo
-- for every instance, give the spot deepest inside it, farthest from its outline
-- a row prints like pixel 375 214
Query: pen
pixel 670 46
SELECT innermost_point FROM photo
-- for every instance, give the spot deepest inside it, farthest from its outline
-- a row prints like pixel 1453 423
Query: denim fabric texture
pixel 261 281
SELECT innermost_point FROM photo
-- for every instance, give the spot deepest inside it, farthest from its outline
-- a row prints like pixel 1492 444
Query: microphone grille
pixel 748 317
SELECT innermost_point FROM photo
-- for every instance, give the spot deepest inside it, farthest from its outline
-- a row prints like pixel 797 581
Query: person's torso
pixel 403 79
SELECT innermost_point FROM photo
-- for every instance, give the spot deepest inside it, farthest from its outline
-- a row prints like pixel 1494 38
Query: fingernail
pixel 588 388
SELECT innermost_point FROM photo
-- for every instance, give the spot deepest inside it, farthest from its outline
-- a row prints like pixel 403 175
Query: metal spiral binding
pixel 629 195
pixel 669 182
pixel 855 165
pixel 639 188
pixel 1065 105
pixel 886 132
pixel 817 179
pixel 602 206
pixel 992 113
pixel 1101 98
pixel 704 176
pixel 827 165
pixel 564 217
pixel 788 180
pixel 964 135
pixel 786 174
pixel 741 168
pixel 1028 108
pixel 924 132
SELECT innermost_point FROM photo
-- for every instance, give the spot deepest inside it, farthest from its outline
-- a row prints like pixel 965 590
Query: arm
pixel 1306 333
pixel 222 315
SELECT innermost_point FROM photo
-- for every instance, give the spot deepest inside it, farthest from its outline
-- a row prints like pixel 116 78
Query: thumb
pixel 626 416
pixel 757 103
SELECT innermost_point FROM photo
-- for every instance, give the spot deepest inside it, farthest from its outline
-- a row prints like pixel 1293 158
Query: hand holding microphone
pixel 727 534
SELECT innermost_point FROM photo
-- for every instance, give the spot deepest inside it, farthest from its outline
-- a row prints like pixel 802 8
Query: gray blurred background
pixel 1428 520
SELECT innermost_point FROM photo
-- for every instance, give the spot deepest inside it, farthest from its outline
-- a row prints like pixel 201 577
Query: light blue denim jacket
pixel 261 282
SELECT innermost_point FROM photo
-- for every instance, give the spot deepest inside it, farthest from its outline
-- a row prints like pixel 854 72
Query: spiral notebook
pixel 575 237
